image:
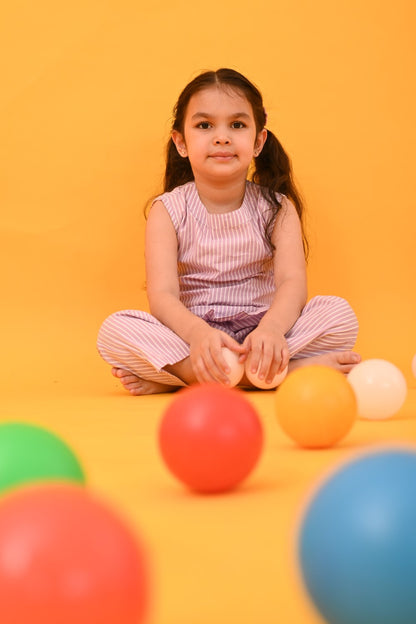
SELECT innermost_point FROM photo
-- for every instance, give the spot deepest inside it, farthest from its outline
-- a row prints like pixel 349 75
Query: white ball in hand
pixel 261 383
pixel 236 368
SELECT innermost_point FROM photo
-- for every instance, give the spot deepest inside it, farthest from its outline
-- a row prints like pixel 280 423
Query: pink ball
pixel 261 383
pixel 236 369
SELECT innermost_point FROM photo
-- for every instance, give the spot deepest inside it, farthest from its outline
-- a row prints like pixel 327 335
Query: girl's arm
pixel 163 294
pixel 289 270
pixel 161 248
pixel 267 343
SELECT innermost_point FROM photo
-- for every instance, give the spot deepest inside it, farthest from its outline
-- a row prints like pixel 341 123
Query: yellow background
pixel 86 94
pixel 87 89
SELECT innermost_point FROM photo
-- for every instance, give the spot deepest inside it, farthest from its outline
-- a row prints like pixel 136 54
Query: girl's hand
pixel 206 356
pixel 268 351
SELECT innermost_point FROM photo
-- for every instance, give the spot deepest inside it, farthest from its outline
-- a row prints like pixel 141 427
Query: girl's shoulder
pixel 258 197
pixel 179 193
pixel 177 201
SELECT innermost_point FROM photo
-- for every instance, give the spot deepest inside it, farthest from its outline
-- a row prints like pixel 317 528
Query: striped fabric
pixel 226 277
pixel 224 265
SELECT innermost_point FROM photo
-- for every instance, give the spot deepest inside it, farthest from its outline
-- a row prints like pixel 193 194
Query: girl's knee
pixel 331 304
pixel 338 315
pixel 344 312
pixel 110 331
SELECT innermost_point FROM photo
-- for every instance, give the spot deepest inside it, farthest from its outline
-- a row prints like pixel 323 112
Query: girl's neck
pixel 220 199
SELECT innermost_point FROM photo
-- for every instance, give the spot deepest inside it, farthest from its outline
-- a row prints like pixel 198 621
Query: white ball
pixel 380 388
pixel 414 365
pixel 261 383
pixel 236 368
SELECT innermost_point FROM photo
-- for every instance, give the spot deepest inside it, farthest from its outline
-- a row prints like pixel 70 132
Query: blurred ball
pixel 210 437
pixel 237 369
pixel 380 388
pixel 261 383
pixel 316 406
pixel 67 558
pixel 414 365
pixel 357 544
pixel 31 453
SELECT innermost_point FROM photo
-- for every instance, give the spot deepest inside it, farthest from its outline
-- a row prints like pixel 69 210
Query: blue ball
pixel 357 543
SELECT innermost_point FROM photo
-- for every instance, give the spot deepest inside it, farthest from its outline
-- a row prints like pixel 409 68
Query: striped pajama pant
pixel 137 342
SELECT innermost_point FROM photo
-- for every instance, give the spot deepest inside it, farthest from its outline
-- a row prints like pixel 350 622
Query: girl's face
pixel 220 137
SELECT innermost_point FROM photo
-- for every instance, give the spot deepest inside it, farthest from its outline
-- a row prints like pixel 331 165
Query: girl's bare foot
pixel 343 361
pixel 137 386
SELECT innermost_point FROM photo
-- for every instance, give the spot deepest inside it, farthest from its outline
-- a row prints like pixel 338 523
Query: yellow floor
pixel 227 559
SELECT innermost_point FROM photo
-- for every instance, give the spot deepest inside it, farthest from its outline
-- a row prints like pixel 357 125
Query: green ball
pixel 29 453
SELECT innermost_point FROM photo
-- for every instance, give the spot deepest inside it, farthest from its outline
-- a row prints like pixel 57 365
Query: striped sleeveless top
pixel 225 265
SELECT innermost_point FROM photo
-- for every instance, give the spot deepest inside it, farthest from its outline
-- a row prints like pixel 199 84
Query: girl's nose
pixel 222 140
pixel 221 135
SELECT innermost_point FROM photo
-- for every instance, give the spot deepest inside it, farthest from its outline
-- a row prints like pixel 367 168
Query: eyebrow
pixel 208 116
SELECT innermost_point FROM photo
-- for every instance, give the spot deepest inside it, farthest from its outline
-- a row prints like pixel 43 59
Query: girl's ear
pixel 179 141
pixel 260 141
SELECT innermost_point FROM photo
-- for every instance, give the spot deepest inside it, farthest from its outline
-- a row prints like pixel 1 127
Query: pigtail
pixel 273 173
pixel 178 169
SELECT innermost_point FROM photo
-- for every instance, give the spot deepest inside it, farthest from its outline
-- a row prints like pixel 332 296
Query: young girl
pixel 225 256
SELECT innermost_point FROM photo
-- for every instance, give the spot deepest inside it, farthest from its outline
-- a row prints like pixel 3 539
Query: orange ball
pixel 316 406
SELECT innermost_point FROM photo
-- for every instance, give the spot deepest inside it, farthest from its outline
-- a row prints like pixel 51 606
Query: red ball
pixel 66 558
pixel 210 437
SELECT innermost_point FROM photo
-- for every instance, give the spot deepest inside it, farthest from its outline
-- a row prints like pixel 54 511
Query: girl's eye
pixel 204 125
pixel 238 124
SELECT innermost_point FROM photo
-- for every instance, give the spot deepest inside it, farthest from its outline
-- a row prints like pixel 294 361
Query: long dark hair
pixel 272 169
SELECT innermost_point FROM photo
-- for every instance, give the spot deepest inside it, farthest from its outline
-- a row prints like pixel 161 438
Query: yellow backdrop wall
pixel 86 98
